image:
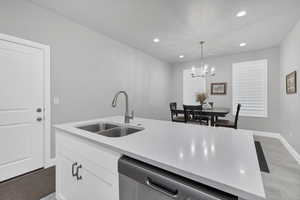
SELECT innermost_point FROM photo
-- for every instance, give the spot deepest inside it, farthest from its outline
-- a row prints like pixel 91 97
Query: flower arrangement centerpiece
pixel 201 97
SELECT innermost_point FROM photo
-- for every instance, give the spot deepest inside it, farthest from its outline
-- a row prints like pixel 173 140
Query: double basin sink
pixel 110 129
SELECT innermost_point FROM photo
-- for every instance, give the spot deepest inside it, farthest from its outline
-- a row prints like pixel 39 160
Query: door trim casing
pixel 48 162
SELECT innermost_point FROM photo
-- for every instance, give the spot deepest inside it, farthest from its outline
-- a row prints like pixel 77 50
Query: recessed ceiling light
pixel 243 44
pixel 241 13
pixel 156 40
pixel 181 56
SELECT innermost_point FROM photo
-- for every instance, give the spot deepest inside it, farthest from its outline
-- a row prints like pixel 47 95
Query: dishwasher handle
pixel 162 189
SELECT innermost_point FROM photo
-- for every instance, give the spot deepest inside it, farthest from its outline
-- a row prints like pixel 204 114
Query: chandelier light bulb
pixel 213 70
pixel 193 69
pixel 205 68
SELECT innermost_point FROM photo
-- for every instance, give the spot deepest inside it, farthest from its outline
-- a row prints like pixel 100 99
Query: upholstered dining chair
pixel 228 123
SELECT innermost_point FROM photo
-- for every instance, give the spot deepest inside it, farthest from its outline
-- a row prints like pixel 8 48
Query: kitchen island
pixel 221 158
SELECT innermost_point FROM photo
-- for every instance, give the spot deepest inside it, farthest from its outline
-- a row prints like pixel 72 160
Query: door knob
pixel 39 119
pixel 39 110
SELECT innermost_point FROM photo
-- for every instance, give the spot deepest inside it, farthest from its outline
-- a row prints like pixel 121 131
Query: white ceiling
pixel 181 24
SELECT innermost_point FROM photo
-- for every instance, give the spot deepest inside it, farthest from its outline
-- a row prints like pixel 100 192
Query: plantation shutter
pixel 250 88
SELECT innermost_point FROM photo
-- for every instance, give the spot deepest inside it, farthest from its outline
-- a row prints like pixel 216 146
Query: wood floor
pixel 283 181
pixel 30 186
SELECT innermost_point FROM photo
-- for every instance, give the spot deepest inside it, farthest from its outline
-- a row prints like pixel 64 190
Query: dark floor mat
pixel 261 158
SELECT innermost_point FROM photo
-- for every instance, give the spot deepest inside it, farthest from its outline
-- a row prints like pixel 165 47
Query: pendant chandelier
pixel 204 70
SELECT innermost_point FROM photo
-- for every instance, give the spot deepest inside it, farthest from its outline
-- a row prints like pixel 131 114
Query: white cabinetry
pixel 85 170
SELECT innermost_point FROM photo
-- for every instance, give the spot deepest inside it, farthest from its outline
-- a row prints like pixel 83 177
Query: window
pixel 192 86
pixel 250 88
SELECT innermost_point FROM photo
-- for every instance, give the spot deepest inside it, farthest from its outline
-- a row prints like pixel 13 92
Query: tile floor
pixel 283 182
pixel 50 197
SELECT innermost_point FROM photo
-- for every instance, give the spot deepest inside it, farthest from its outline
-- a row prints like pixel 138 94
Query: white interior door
pixel 192 86
pixel 21 109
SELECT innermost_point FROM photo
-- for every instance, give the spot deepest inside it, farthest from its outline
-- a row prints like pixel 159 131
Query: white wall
pixel 290 104
pixel 89 68
pixel 223 65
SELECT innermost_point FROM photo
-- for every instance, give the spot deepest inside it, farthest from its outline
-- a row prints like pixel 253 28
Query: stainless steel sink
pixel 110 129
pixel 120 131
pixel 94 128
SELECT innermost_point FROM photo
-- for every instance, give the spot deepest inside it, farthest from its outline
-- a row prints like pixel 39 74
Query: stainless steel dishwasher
pixel 140 181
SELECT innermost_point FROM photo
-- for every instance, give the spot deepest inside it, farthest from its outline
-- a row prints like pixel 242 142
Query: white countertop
pixel 219 157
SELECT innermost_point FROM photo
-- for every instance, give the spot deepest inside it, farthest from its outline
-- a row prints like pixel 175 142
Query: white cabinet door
pixel 96 173
pixel 66 183
pixel 21 109
pixel 93 187
pixel 91 182
pixel 85 185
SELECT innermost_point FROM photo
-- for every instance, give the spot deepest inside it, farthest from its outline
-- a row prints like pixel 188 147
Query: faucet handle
pixel 132 114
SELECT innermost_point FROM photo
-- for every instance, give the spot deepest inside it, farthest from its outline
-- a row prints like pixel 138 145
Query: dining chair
pixel 228 123
pixel 193 114
pixel 173 106
pixel 175 115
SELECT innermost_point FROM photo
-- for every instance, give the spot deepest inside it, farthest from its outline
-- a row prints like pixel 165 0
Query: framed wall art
pixel 291 83
pixel 218 88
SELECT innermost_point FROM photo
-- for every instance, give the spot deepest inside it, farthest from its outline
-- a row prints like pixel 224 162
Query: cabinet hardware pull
pixel 79 177
pixel 73 169
pixel 162 189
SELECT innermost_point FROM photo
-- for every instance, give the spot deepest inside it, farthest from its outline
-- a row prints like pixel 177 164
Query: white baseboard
pixel 50 163
pixel 267 134
pixel 59 197
pixel 290 149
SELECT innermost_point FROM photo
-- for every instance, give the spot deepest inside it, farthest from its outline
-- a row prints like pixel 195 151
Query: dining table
pixel 213 113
